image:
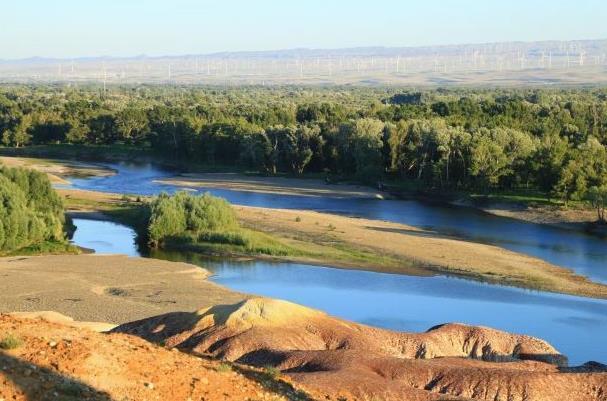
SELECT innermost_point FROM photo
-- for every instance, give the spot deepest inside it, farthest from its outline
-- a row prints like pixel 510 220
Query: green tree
pixel 19 135
pixel 132 124
pixel 77 132
pixel 489 161
pixel 598 197
pixel 367 147
pixel 296 146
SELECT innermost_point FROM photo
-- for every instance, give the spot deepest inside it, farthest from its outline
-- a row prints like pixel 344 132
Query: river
pixel 575 325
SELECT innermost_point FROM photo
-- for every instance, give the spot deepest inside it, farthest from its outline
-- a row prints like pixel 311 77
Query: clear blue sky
pixel 71 28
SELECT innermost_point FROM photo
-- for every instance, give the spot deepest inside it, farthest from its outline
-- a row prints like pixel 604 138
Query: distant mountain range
pixel 511 63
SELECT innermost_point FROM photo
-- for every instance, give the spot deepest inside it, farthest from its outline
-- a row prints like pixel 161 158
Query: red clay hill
pixel 345 359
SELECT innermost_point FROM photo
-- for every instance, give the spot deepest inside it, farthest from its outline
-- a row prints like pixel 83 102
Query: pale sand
pixel 425 248
pixel 57 170
pixel 272 185
pixel 97 288
pixel 429 252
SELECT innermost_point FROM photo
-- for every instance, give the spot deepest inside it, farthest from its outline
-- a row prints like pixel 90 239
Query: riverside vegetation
pixel 211 226
pixel 31 217
pixel 204 223
pixel 177 229
pixel 531 145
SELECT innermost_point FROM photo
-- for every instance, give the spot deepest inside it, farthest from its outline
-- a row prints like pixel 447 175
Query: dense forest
pixel 31 212
pixel 552 140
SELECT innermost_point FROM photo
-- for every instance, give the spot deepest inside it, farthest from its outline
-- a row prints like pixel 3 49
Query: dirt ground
pixel 565 218
pixel 58 362
pixel 114 289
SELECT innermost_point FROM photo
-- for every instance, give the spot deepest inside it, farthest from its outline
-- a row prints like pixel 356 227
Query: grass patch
pixel 526 198
pixel 46 248
pixel 224 367
pixel 241 241
pixel 271 373
pixel 10 341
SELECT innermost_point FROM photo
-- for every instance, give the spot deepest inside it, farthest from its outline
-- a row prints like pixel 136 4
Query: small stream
pixel 574 325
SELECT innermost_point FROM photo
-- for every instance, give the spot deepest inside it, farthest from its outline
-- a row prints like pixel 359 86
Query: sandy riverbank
pixel 574 218
pixel 98 288
pixel 357 243
pixel 57 170
pixel 60 170
pixel 426 249
pixel 272 185
pixel 347 242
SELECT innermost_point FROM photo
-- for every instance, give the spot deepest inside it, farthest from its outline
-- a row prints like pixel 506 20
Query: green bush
pixel 271 372
pixel 10 342
pixel 31 211
pixel 204 224
pixel 184 213
pixel 232 238
pixel 224 367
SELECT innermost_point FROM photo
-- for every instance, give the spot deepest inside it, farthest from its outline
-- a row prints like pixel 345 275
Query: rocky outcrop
pixel 342 357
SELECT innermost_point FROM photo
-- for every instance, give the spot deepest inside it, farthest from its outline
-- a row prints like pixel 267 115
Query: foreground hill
pixel 53 361
pixel 340 357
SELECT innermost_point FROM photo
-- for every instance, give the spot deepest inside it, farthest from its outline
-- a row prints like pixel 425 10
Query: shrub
pixel 271 372
pixel 204 223
pixel 224 367
pixel 10 342
pixel 184 213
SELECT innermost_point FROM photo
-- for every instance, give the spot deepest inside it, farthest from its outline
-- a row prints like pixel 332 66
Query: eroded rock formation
pixel 345 358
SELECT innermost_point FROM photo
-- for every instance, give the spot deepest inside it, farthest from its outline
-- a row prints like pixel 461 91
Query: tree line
pixel 457 139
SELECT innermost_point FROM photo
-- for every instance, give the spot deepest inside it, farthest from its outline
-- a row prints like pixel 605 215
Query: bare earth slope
pixel 58 362
pixel 340 357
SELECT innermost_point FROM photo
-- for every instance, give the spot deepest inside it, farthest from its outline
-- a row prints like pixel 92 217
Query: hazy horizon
pixel 66 29
pixel 303 49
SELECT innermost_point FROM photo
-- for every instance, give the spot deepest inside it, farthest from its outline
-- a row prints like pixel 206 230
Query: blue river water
pixel 575 325
pixel 585 254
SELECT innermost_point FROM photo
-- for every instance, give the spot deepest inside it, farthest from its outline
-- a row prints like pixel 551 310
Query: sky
pixel 80 28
